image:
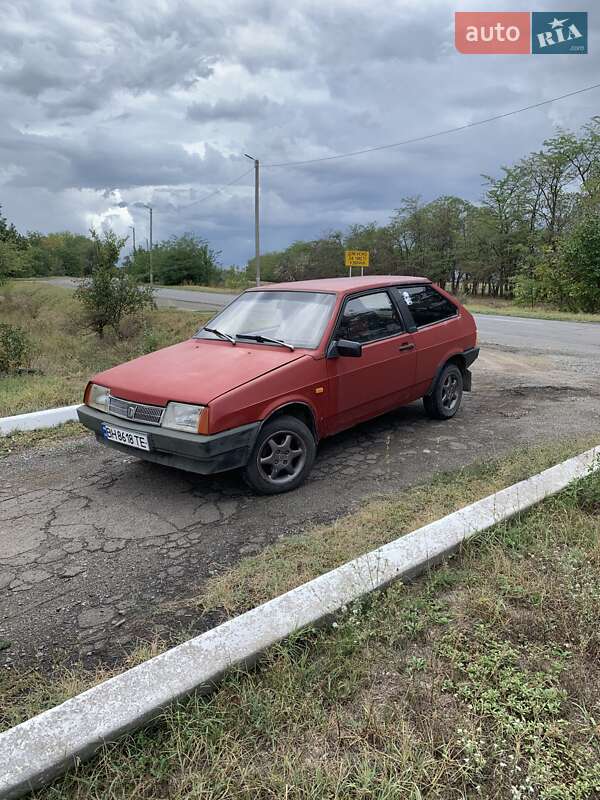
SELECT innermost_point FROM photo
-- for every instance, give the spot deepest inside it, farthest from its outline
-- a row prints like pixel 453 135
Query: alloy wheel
pixel 450 392
pixel 282 457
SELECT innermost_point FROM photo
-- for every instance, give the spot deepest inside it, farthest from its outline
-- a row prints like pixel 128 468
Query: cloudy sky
pixel 156 101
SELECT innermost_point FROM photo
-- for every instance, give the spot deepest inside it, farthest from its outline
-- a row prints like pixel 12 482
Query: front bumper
pixel 188 451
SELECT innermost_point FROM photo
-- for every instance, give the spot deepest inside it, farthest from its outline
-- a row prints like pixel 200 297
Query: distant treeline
pixel 37 254
pixel 180 259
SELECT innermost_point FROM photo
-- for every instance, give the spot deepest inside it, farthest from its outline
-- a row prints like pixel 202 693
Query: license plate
pixel 139 440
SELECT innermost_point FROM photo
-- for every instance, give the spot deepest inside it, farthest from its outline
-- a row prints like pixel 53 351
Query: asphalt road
pixel 166 296
pixel 550 336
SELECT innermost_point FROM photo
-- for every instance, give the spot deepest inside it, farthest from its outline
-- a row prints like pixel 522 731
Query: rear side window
pixel 426 304
pixel 369 317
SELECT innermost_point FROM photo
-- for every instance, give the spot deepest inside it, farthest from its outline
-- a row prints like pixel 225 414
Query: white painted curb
pixel 45 746
pixel 38 419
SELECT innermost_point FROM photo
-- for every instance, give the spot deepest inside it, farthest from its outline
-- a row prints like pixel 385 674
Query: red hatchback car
pixel 281 367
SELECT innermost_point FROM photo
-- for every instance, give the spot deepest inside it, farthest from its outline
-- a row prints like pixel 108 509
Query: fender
pixel 464 358
pixel 294 402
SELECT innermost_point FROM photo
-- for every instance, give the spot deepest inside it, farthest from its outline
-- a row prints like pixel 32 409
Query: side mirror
pixel 345 348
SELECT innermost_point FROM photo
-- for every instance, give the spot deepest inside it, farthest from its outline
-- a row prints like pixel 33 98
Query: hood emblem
pixel 130 412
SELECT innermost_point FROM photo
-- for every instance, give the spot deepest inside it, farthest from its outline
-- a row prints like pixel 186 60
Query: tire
pixel 445 399
pixel 282 456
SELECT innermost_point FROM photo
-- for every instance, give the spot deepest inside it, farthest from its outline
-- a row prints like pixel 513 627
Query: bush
pixel 235 279
pixel 15 348
pixel 110 294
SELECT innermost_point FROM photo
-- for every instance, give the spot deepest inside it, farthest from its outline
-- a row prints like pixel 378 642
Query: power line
pixel 433 135
pixel 216 191
pixel 377 148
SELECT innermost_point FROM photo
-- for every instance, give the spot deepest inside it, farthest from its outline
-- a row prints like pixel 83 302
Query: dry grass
pixel 65 354
pixel 24 440
pixel 481 679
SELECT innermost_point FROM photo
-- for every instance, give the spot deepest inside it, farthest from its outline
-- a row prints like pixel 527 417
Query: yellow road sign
pixel 356 258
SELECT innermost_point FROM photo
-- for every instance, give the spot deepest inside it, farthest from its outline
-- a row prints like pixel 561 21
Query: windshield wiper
pixel 221 334
pixel 256 337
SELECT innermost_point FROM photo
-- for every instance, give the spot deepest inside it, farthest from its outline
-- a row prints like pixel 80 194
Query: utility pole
pixel 256 215
pixel 132 227
pixel 151 270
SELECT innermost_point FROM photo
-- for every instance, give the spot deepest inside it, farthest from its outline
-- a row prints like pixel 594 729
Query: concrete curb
pixel 45 746
pixel 38 419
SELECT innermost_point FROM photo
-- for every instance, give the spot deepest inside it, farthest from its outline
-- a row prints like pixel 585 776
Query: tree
pixel 580 264
pixel 13 250
pixel 409 230
pixel 380 243
pixel 550 172
pixel 110 293
pixel 180 259
pixel 13 261
pixel 9 234
pixel 504 229
pixel 269 264
pixel 61 253
pixel 320 258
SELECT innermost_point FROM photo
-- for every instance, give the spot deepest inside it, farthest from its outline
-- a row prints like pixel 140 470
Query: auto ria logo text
pixel 521 32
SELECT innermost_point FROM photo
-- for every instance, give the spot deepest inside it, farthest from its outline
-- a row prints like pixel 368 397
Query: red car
pixel 281 367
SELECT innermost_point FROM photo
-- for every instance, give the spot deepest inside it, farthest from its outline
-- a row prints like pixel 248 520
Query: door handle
pixel 407 346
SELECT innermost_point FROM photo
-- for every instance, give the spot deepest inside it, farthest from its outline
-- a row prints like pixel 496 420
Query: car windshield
pixel 296 318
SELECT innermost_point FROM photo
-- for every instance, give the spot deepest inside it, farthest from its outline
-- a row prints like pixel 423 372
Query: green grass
pixel 480 679
pixel 197 288
pixel 507 308
pixel 65 354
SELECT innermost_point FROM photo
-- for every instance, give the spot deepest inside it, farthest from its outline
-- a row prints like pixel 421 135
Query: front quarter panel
pixel 300 381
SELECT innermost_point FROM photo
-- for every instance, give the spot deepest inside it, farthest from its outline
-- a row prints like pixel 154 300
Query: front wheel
pixel 444 401
pixel 282 456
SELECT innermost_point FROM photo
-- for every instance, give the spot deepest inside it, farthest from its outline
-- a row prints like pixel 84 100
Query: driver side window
pixel 368 318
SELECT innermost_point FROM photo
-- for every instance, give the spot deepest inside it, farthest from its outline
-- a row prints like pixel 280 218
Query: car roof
pixel 343 285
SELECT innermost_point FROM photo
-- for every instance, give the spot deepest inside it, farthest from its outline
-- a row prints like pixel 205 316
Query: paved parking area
pixel 93 544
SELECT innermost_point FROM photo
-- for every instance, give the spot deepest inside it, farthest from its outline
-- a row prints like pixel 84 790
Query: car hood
pixel 195 371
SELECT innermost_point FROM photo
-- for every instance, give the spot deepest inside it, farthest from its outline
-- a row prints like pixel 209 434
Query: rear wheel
pixel 282 456
pixel 444 401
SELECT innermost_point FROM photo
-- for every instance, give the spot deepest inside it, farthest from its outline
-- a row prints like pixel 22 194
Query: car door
pixel 437 329
pixel 383 376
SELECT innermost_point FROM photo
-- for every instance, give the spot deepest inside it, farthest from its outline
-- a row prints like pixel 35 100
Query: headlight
pixel 182 417
pixel 98 397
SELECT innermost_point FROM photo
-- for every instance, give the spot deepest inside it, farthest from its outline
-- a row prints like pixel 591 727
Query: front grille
pixel 136 412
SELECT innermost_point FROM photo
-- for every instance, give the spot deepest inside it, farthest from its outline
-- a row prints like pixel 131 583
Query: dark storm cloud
pixel 247 108
pixel 31 80
pixel 104 102
pixel 100 159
